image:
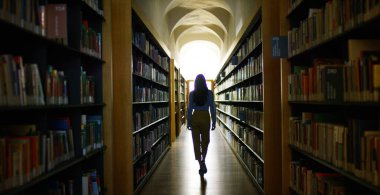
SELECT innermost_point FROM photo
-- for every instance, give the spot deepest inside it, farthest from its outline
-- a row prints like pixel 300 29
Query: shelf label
pixel 280 47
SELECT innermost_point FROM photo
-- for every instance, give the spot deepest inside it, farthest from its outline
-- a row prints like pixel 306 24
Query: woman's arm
pixel 189 110
pixel 212 109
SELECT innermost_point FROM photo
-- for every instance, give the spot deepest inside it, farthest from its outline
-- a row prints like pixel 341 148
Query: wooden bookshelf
pixel 177 104
pixel 30 102
pixel 241 121
pixel 257 156
pixel 248 171
pixel 333 44
pixel 156 134
pixel 249 81
pixel 182 104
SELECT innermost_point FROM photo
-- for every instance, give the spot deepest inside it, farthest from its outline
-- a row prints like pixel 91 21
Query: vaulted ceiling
pixel 198 20
pixel 182 22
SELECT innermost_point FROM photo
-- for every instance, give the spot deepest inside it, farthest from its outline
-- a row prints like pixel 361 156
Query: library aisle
pixel 178 172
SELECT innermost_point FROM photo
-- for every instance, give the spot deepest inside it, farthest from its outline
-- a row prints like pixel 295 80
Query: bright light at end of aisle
pixel 199 57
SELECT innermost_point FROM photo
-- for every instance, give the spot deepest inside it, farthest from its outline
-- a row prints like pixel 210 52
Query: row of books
pixel 50 20
pixel 255 167
pixel 142 168
pixel 250 93
pixel 350 144
pixel 61 187
pixel 27 153
pixel 87 88
pixel 158 149
pixel 182 97
pixel 91 133
pixel 91 41
pixel 176 74
pixel 20 84
pixel 56 87
pixel 332 80
pixel 335 17
pixel 147 94
pixel 249 137
pixel 250 43
pixel 142 142
pixel 142 42
pixel 249 116
pixel 253 67
pixel 305 179
pixel 227 70
pixel 147 70
pixel 183 112
pixel 146 117
pixel 91 183
pixel 26 15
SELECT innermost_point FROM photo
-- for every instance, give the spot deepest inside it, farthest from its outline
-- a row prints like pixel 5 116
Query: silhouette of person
pixel 201 104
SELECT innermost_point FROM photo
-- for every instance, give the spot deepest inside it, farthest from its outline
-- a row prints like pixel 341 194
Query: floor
pixel 178 172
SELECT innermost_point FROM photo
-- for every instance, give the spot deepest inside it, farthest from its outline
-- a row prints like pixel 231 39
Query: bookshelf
pixel 151 105
pixel 341 106
pixel 51 99
pixel 182 103
pixel 177 101
pixel 247 92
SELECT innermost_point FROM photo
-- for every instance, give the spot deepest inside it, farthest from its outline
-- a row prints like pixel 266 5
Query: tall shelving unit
pixel 77 147
pixel 239 92
pixel 177 101
pixel 346 112
pixel 182 108
pixel 151 94
pixel 247 93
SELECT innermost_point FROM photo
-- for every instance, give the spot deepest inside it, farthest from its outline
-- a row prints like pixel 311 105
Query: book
pixel 22 155
pixel 94 183
pixel 56 87
pixel 85 184
pixel 371 156
pixel 376 80
pixel 62 138
pixel 56 22
pixel 94 127
pixel 10 80
pixel 333 88
pixel 34 90
pixel 40 19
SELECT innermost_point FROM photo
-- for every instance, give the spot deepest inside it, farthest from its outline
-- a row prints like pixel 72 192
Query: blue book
pixel 61 123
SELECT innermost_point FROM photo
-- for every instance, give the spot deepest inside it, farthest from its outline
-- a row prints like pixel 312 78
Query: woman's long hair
pixel 200 90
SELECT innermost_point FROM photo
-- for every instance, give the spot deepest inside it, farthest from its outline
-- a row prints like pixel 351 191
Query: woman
pixel 201 100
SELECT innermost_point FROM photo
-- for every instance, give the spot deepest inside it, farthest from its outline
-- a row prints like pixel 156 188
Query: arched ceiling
pixel 182 22
pixel 192 20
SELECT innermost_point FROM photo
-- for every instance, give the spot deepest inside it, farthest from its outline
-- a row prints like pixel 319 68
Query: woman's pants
pixel 200 125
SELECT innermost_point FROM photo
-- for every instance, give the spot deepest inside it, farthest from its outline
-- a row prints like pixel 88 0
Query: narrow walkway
pixel 178 172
